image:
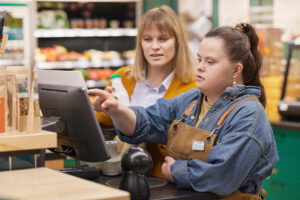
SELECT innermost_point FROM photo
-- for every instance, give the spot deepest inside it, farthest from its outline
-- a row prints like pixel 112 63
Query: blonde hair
pixel 167 21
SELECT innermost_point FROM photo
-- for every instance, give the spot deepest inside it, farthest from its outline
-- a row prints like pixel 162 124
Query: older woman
pixel 163 67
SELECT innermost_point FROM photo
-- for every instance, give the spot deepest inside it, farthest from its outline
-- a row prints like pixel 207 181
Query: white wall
pixel 286 13
pixel 232 12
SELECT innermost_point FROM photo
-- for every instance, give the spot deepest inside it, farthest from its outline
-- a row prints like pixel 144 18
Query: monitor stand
pixel 54 124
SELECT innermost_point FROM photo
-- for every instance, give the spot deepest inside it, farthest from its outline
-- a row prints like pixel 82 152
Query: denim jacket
pixel 245 151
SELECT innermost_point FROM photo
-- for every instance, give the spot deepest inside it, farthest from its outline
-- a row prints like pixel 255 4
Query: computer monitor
pixel 65 103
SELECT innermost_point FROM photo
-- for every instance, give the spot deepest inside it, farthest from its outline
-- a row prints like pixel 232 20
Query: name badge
pixel 198 146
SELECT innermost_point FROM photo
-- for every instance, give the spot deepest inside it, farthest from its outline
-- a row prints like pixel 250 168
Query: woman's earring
pixel 234 82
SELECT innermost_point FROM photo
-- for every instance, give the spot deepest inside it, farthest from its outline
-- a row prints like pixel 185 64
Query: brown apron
pixel 188 142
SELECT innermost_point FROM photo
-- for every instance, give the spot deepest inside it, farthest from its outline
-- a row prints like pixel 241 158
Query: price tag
pixel 198 146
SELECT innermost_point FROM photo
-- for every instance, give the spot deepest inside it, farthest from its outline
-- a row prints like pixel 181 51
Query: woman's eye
pixel 210 62
pixel 163 38
pixel 147 39
pixel 199 60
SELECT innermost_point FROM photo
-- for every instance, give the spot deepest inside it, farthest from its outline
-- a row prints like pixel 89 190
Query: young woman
pixel 163 67
pixel 218 137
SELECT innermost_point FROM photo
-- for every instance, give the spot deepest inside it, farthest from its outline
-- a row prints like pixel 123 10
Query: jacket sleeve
pixel 230 163
pixel 152 122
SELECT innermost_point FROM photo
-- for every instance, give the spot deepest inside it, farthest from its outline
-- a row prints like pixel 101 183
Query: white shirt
pixel 144 95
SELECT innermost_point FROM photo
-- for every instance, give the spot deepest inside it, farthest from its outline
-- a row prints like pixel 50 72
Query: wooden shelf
pixel 16 141
pixel 82 63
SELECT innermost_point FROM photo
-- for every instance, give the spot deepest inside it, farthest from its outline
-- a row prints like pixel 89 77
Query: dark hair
pixel 241 44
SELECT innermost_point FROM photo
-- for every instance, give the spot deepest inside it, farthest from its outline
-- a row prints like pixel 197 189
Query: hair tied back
pixel 243 27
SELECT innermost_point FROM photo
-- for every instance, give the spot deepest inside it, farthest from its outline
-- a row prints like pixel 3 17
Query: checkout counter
pixel 58 102
pixel 44 183
pixel 160 189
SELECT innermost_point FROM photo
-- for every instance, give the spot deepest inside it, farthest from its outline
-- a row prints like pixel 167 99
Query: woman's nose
pixel 155 44
pixel 200 66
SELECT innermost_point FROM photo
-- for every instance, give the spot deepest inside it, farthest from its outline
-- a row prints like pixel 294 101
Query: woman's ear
pixel 238 69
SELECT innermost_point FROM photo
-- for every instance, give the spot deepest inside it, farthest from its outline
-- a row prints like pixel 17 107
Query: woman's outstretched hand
pixel 166 168
pixel 123 117
pixel 105 101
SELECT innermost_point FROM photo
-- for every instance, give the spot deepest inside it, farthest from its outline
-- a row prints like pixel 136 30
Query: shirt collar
pixel 164 85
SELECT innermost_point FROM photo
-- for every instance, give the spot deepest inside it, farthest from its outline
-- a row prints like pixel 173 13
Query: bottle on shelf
pixel 120 91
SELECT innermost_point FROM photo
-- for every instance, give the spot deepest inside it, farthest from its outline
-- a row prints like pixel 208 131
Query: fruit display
pixel 99 74
pixel 105 22
pixel 96 77
pixel 96 66
pixel 55 53
pixel 49 57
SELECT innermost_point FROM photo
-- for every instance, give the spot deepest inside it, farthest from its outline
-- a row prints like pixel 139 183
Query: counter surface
pixel 44 183
pixel 165 192
pixel 286 125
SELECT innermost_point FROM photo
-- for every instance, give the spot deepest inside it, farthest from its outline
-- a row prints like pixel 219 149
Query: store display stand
pixel 289 109
pixel 23 143
pixel 15 143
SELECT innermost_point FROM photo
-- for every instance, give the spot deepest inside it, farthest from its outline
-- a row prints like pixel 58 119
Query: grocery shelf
pixel 81 63
pixel 21 39
pixel 9 62
pixel 56 65
pixel 109 32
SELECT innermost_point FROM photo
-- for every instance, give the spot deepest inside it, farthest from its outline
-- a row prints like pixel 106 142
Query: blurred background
pixel 97 37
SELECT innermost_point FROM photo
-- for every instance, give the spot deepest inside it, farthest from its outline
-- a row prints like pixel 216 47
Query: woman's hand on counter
pixel 166 168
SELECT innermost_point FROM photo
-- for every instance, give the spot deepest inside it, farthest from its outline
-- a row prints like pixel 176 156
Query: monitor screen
pixel 64 101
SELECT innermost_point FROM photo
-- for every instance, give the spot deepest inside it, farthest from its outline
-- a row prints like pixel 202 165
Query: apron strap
pixel 223 117
pixel 189 109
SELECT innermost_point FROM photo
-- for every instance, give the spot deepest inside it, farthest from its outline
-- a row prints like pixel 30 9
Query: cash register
pixel 67 110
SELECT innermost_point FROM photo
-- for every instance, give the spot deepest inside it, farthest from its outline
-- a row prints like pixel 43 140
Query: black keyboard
pixel 89 173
